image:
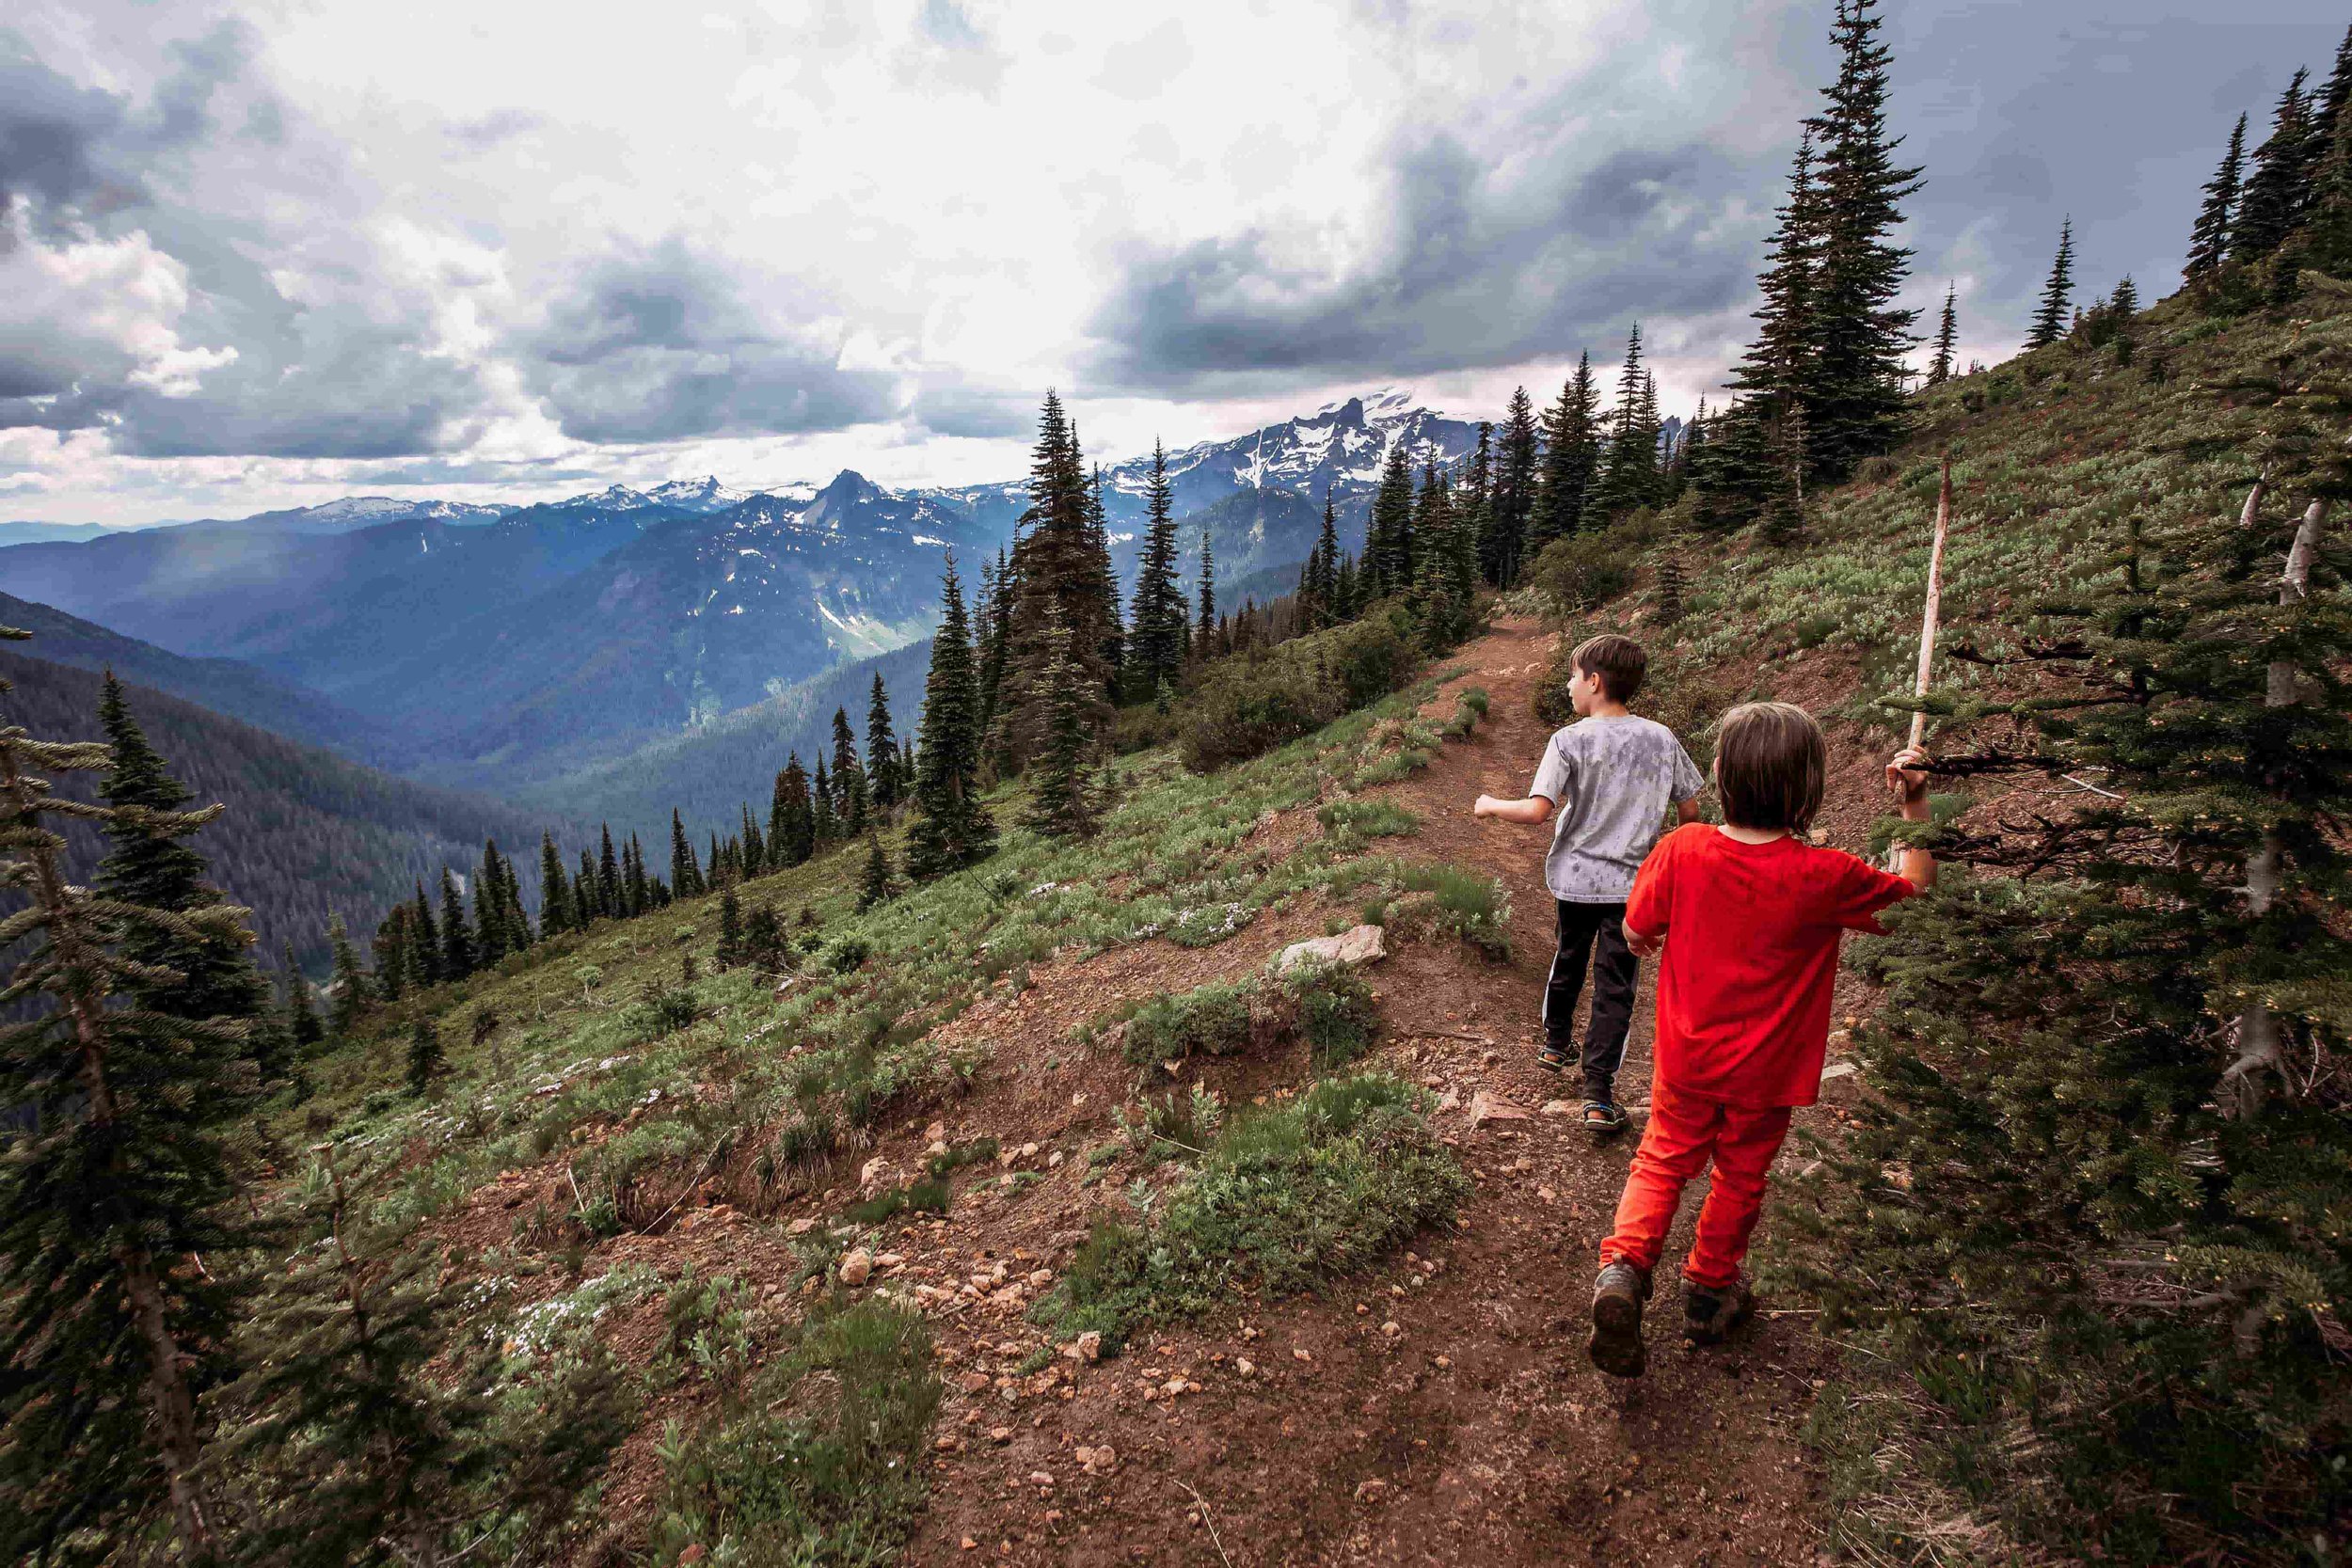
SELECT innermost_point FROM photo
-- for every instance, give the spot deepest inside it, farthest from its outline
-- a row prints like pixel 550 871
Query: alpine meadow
pixel 1002 1006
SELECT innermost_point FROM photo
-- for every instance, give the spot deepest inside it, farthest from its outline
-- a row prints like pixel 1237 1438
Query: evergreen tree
pixel 1781 366
pixel 882 749
pixel 1783 503
pixel 426 1059
pixel 2124 304
pixel 848 775
pixel 635 891
pixel 824 825
pixel 201 976
pixel 2208 241
pixel 1064 803
pixel 686 872
pixel 1328 609
pixel 302 1020
pixel 1518 454
pixel 2274 193
pixel 1207 617
pixel 121 1177
pixel 1449 564
pixel 2324 240
pixel 1389 543
pixel 1947 338
pixel 755 848
pixel 1854 405
pixel 1161 636
pixel 951 829
pixel 1060 566
pixel 370 1455
pixel 555 894
pixel 456 939
pixel 1572 459
pixel 2050 318
pixel 489 909
pixel 793 820
pixel 424 941
pixel 718 862
pixel 993 638
pixel 608 894
pixel 350 985
pixel 390 947
pixel 588 892
pixel 1628 477
pixel 730 927
pixel 878 885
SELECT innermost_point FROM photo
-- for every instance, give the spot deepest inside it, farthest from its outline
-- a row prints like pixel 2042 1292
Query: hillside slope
pixel 307 833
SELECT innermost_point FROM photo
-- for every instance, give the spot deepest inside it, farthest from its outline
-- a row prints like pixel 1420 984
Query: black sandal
pixel 1551 1058
pixel 1603 1119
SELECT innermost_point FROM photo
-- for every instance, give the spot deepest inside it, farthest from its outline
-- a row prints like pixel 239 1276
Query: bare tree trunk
pixel 2245 1079
pixel 170 1399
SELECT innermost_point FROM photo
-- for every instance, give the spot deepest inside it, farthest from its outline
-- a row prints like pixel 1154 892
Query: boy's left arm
pixel 1909 782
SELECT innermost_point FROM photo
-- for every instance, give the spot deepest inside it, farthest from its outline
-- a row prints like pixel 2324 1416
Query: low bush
pixel 1214 1020
pixel 1286 1198
pixel 1335 1012
pixel 1584 571
pixel 809 1469
pixel 1247 705
pixel 1415 898
pixel 1355 819
pixel 1329 1006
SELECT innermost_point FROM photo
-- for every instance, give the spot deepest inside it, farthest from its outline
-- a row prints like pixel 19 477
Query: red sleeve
pixel 1646 906
pixel 1856 891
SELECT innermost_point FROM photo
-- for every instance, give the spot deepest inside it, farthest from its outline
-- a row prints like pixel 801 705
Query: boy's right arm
pixel 1909 784
pixel 1535 809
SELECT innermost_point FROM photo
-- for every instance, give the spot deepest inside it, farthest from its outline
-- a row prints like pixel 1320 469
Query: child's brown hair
pixel 1617 662
pixel 1770 764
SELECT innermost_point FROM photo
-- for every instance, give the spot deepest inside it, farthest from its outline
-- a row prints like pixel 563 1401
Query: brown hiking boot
pixel 1618 1295
pixel 1710 1313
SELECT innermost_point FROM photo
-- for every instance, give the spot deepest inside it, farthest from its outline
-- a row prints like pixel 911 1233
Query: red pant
pixel 1682 1134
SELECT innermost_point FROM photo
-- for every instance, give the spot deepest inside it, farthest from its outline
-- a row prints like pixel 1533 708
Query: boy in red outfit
pixel 1750 917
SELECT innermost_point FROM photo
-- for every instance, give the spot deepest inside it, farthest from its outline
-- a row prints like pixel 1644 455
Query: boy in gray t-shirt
pixel 1608 777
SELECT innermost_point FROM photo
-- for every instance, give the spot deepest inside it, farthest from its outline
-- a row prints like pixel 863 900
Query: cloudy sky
pixel 262 255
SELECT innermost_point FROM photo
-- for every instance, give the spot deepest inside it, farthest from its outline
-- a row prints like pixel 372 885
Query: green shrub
pixel 1584 571
pixel 663 1010
pixel 1251 704
pixel 1207 1021
pixel 1287 1197
pixel 1360 818
pixel 810 1470
pixel 1335 1010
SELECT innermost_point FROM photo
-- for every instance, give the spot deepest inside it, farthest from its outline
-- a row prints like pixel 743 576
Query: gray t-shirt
pixel 1611 780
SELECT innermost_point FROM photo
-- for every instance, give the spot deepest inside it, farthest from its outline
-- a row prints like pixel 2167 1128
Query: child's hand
pixel 1907 779
pixel 1485 806
pixel 1642 946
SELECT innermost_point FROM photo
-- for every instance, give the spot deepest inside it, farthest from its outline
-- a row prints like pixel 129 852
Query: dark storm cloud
pixel 51 134
pixel 666 343
pixel 1469 271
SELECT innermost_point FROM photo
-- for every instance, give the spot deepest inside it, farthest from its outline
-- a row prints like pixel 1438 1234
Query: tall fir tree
pixel 1947 338
pixel 489 909
pixel 793 820
pixel 1204 617
pixel 686 872
pixel 1629 475
pixel 1063 805
pixel 882 749
pixel 1572 459
pixel 1519 456
pixel 457 949
pixel 635 889
pixel 992 638
pixel 110 1340
pixel 1854 404
pixel 206 975
pixel 824 820
pixel 951 829
pixel 390 949
pixel 848 775
pixel 2050 318
pixel 1781 364
pixel 424 940
pixel 1389 538
pixel 609 897
pixel 350 984
pixel 588 892
pixel 303 1026
pixel 2274 192
pixel 1160 633
pixel 754 847
pixel 555 894
pixel 2209 240
pixel 1060 566
pixel 879 883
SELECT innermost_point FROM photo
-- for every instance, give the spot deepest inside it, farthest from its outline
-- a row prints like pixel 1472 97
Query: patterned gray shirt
pixel 1611 780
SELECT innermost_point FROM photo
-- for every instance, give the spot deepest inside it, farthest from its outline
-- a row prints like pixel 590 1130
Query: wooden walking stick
pixel 1935 600
pixel 1928 618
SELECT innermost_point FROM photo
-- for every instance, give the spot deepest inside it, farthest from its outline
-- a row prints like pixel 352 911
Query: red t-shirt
pixel 1752 933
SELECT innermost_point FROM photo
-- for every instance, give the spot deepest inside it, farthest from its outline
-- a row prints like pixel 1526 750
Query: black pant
pixel 1593 931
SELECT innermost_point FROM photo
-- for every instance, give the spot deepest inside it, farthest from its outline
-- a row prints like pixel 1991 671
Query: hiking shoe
pixel 1710 1313
pixel 1604 1119
pixel 1617 1298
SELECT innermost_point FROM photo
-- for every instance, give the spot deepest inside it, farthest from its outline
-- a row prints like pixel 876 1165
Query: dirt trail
pixel 1475 1430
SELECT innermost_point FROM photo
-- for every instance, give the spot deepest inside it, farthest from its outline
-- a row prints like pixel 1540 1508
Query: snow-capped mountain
pixel 349 513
